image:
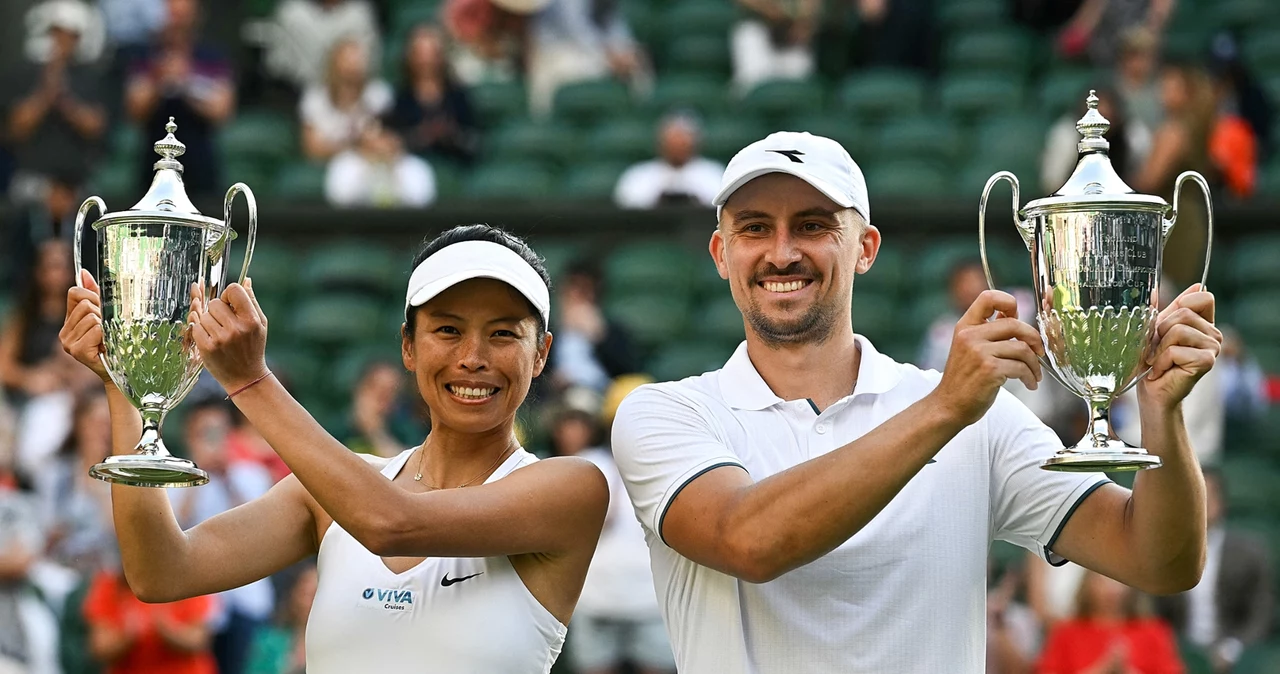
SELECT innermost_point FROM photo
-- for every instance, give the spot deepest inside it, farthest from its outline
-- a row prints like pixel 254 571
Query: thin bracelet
pixel 242 388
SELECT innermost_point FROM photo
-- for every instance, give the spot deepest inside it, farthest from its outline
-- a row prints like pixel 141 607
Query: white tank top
pixel 447 614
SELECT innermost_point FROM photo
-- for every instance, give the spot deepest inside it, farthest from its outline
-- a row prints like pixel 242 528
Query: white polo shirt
pixel 905 594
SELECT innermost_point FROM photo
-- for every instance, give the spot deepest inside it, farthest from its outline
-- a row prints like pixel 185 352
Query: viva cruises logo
pixel 391 600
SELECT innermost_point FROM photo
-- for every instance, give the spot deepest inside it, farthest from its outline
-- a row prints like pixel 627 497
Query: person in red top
pixel 1109 636
pixel 130 637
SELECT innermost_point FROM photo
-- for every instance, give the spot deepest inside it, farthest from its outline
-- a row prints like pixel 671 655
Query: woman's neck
pixel 450 458
pixel 345 94
pixel 428 88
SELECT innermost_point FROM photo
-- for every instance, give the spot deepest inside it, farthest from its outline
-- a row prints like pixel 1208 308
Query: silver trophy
pixel 1096 248
pixel 150 256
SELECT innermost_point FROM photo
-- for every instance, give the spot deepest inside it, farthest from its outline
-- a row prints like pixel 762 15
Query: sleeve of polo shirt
pixel 662 441
pixel 1030 505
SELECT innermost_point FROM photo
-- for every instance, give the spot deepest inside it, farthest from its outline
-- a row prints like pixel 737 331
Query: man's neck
pixel 822 373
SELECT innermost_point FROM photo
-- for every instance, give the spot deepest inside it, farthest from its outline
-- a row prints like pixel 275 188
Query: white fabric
pixel 643 185
pixel 303 32
pixel 44 422
pixel 905 594
pixel 352 180
pixel 1061 588
pixel 756 59
pixel 367 619
pixel 467 260
pixel 553 65
pixel 817 160
pixel 243 482
pixel 344 126
pixel 1202 607
pixel 1204 410
pixel 619 583
pixel 40 626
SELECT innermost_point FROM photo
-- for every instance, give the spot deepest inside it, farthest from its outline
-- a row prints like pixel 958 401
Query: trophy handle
pixel 252 203
pixel 1168 225
pixel 78 236
pixel 1023 230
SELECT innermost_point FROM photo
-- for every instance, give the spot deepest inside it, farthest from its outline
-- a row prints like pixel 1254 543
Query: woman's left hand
pixel 231 333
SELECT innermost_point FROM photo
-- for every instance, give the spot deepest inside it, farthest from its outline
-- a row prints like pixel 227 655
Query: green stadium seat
pixel 887 273
pixel 1006 52
pixel 116 178
pixel 1262 51
pixel 557 255
pixel 876 315
pixel 1253 261
pixel 260 136
pixel 126 139
pixel 497 102
pixel 883 93
pixel 956 15
pixel 527 140
pixel 935 263
pixel 623 140
pixel 699 17
pixel 1257 315
pixel 687 359
pixel 352 362
pixel 840 128
pixel 300 181
pixel 1246 13
pixel 274 266
pixel 928 139
pixel 302 367
pixel 352 265
pixel 1263 659
pixel 718 321
pixel 907 179
pixel 974 96
pixel 649 267
pixel 722 137
pixel 1253 485
pixel 644 21
pixel 699 92
pixel 256 174
pixel 776 99
pixel 1064 90
pixel 584 103
pixel 651 318
pixel 932 302
pixel 336 319
pixel 511 181
pixel 594 181
pixel 406 14
pixel 704 54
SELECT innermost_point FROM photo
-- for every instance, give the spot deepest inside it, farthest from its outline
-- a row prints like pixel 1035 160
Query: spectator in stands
pixel 488 37
pixel 679 175
pixel 245 443
pixel 1241 134
pixel 378 423
pixel 28 627
pixel 590 349
pixel 1230 610
pixel 1109 634
pixel 1013 632
pixel 1241 89
pixel 244 610
pixel 432 110
pixel 1244 384
pixel 578 40
pixel 280 648
pixel 54 115
pixel 130 637
pixel 304 32
pixel 894 34
pixel 1181 143
pixel 53 216
pixel 1097 26
pixel 773 42
pixel 617 622
pixel 1129 139
pixel 1136 81
pixel 340 125
pixel 76 506
pixel 182 78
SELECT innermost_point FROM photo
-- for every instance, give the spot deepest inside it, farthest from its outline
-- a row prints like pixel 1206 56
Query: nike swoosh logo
pixel 447 581
pixel 930 461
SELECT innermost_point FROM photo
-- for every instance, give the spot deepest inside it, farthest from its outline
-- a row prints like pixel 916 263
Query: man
pixel 817 507
pixel 1230 609
pixel 677 176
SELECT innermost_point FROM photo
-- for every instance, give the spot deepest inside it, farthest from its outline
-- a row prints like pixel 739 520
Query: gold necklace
pixel 422 455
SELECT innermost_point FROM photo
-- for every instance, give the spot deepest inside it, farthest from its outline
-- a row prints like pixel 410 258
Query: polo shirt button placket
pixel 821 429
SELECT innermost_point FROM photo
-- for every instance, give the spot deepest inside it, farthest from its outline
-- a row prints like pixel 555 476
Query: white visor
pixel 468 260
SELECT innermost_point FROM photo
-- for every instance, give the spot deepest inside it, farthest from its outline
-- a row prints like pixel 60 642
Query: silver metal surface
pixel 151 255
pixel 1096 250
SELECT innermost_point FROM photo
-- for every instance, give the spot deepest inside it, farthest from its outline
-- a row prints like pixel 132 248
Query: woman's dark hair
pixel 27 314
pixel 480 232
pixel 446 69
pixel 83 401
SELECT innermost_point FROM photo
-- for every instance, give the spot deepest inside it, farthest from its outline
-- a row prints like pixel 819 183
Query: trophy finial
pixel 169 148
pixel 1093 126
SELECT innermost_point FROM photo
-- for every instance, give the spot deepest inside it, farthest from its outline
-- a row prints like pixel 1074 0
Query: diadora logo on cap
pixel 793 155
pixel 392 600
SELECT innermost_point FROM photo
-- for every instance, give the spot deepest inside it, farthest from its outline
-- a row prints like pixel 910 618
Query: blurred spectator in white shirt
pixel 1129 139
pixel 1135 80
pixel 340 124
pixel 304 32
pixel 677 176
pixel 774 41
pixel 577 40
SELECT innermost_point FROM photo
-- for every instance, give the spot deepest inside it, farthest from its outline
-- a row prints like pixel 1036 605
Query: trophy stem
pixel 1100 435
pixel 151 444
pixel 151 464
pixel 1100 450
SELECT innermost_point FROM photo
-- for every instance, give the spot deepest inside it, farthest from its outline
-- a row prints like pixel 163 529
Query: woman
pixel 77 505
pixel 432 110
pixel 424 557
pixel 280 648
pixel 1109 636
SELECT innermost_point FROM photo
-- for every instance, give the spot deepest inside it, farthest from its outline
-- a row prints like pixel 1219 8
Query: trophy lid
pixel 1095 183
pixel 167 198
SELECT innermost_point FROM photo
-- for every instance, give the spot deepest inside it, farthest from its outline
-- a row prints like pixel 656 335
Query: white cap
pixel 468 260
pixel 817 160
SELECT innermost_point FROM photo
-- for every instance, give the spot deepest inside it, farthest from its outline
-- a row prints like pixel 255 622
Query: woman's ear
pixel 406 347
pixel 544 350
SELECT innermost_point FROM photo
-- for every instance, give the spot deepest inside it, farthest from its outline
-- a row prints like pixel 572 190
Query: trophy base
pixel 1113 457
pixel 147 470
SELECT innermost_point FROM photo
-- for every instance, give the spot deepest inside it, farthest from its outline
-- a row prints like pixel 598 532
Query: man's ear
pixel 716 248
pixel 870 247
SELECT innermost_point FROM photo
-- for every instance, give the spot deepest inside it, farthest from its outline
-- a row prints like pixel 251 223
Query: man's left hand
pixel 1187 344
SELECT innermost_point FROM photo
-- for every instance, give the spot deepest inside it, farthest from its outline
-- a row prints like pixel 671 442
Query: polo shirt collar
pixel 742 387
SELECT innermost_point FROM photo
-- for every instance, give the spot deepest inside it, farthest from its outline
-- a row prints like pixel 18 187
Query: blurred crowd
pixel 87 67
